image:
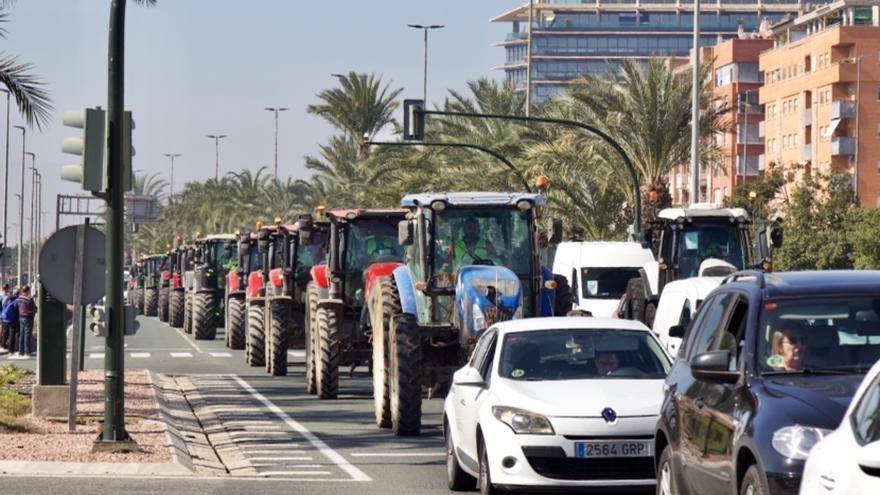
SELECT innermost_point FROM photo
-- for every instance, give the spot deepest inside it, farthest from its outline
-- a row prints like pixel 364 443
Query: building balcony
pixel 843 109
pixel 807 153
pixel 842 146
pixel 808 117
pixel 761 129
pixel 517 36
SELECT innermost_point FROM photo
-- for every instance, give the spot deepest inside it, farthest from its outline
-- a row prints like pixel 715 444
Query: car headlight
pixel 479 318
pixel 523 422
pixel 796 441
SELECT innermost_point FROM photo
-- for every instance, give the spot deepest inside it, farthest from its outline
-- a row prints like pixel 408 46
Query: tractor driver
pixel 472 247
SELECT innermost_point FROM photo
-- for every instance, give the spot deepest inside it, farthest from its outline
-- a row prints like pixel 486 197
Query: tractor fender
pixel 548 296
pixel 319 275
pixel 256 301
pixel 406 289
pixel 287 301
pixel 176 282
pixel 276 277
pixel 333 304
pixel 377 270
pixel 650 274
pixel 255 283
pixel 232 282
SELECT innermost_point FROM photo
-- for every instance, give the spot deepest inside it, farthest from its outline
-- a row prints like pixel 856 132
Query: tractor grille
pixel 559 467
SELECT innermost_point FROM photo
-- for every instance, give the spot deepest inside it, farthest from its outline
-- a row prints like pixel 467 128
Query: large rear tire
pixel 635 294
pixel 139 300
pixel 278 341
pixel 327 358
pixel 151 302
pixel 175 308
pixel 236 324
pixel 405 375
pixel 311 319
pixel 204 316
pixel 187 312
pixel 385 304
pixel 163 304
pixel 255 345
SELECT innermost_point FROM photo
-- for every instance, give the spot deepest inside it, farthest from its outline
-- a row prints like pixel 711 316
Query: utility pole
pixel 695 111
pixel 31 230
pixel 172 156
pixel 276 110
pixel 425 28
pixel 21 204
pixel 6 188
pixel 216 138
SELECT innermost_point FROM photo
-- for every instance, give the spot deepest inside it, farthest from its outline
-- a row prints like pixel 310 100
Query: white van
pixel 677 306
pixel 599 271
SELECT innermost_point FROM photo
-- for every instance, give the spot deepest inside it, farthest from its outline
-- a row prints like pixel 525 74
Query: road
pixel 290 438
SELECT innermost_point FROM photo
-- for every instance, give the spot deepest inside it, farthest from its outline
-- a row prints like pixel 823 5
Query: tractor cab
pixel 212 258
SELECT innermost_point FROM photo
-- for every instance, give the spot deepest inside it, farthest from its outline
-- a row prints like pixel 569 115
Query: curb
pixel 166 394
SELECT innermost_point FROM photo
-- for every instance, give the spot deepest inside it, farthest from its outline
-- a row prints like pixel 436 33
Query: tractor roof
pixel 368 212
pixel 292 227
pixel 220 237
pixel 702 210
pixel 473 199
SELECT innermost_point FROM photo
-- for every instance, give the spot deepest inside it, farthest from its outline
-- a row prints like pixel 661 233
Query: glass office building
pixel 575 37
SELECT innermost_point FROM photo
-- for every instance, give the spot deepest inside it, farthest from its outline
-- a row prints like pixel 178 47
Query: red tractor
pixel 362 248
pixel 176 290
pixel 249 261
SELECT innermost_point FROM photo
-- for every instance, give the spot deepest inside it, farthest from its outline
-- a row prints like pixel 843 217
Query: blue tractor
pixel 471 260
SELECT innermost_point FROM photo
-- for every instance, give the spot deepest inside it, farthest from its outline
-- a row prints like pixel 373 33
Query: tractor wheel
pixel 255 342
pixel 277 348
pixel 385 304
pixel 328 353
pixel 635 294
pixel 236 324
pixel 204 316
pixel 187 312
pixel 151 302
pixel 163 304
pixel 405 375
pixel 175 309
pixel 650 313
pixel 564 296
pixel 311 320
pixel 139 300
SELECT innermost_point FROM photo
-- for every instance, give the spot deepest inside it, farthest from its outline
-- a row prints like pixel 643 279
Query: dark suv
pixel 767 367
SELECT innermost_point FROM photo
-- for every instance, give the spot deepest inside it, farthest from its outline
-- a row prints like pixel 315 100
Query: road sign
pixel 58 259
pixel 141 209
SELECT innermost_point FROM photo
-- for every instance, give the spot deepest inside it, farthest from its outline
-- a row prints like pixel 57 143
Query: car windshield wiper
pixel 811 371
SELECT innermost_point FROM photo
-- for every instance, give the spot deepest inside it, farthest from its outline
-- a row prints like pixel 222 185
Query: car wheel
pixel 486 487
pixel 456 478
pixel 665 477
pixel 751 483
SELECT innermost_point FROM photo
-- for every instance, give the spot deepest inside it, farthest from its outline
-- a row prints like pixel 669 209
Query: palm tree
pixel 27 88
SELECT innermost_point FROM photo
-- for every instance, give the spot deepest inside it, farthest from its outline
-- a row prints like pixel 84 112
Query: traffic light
pixel 127 127
pixel 98 324
pixel 413 120
pixel 131 323
pixel 89 172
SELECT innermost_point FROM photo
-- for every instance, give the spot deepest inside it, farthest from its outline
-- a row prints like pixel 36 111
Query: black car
pixel 767 367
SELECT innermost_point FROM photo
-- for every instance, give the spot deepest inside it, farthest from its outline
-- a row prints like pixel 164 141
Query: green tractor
pixel 152 280
pixel 205 282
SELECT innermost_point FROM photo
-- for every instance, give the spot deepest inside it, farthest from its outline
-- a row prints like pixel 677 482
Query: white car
pixel 847 460
pixel 677 306
pixel 599 271
pixel 556 403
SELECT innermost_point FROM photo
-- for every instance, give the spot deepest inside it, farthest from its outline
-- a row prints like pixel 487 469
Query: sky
pixel 197 67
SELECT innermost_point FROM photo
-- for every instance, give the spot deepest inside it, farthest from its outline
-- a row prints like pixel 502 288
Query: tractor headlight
pixel 796 441
pixel 479 318
pixel 523 422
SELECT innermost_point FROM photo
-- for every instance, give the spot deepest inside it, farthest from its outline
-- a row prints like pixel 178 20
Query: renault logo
pixel 609 415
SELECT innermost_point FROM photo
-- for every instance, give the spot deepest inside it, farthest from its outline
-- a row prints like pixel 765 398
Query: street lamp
pixel 216 138
pixel 21 202
pixel 276 110
pixel 425 76
pixel 31 233
pixel 6 182
pixel 172 156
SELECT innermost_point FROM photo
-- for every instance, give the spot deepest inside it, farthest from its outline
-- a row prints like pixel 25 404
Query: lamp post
pixel 21 203
pixel 276 110
pixel 31 230
pixel 425 28
pixel 695 111
pixel 6 185
pixel 172 156
pixel 216 138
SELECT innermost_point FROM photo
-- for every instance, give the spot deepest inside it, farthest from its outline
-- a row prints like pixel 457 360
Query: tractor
pixel 702 240
pixel 152 275
pixel 135 286
pixel 203 305
pixel 176 293
pixel 472 259
pixel 362 247
pixel 165 284
pixel 249 260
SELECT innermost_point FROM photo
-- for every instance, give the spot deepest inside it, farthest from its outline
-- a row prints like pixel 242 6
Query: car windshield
pixel 809 335
pixel 606 283
pixel 576 354
pixel 698 242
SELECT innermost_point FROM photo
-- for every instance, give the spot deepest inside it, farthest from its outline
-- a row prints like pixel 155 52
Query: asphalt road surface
pixel 296 442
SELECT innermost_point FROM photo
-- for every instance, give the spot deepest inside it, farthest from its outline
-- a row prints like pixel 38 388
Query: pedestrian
pixel 9 317
pixel 4 328
pixel 27 310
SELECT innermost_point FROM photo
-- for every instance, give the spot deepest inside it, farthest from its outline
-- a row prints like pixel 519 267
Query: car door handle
pixel 699 402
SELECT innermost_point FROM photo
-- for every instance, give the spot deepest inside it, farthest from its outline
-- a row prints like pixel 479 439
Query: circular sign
pixel 58 259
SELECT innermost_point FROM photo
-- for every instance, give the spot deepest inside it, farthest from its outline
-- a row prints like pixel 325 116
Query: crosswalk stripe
pixel 96 355
pixel 181 354
pixel 139 355
pixel 220 354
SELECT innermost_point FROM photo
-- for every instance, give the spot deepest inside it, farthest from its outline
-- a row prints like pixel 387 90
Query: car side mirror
pixel 556 232
pixel 677 331
pixel 468 377
pixel 869 459
pixel 776 235
pixel 713 366
pixel 647 238
pixel 405 233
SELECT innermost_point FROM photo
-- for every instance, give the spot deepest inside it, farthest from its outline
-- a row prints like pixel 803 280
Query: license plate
pixel 614 448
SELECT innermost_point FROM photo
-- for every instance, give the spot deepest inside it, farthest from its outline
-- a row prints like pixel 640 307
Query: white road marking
pixel 284 473
pixel 299 353
pixel 140 355
pixel 220 354
pixel 188 341
pixel 319 444
pixel 181 354
pixel 398 454
pixel 96 355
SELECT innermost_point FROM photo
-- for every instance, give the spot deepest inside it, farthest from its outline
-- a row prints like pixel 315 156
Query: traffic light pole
pixel 488 151
pixel 637 216
pixel 113 435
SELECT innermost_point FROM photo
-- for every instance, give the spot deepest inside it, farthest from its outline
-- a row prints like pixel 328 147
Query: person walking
pixel 4 328
pixel 9 317
pixel 27 310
